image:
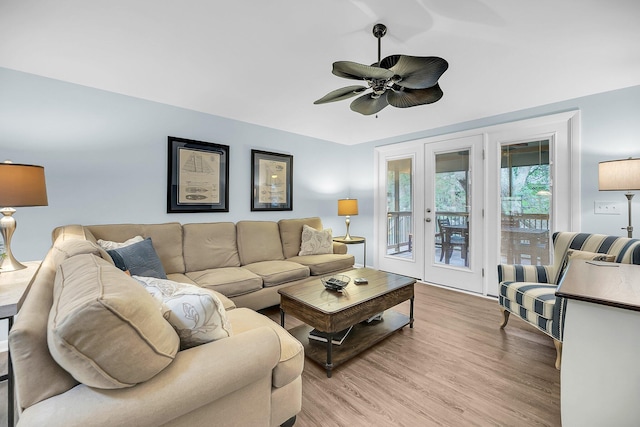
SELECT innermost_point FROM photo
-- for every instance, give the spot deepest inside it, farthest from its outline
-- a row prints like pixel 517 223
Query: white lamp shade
pixel 619 175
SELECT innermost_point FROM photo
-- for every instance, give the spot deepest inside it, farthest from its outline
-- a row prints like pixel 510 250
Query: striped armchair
pixel 528 291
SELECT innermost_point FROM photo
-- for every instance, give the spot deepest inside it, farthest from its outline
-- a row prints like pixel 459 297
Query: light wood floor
pixel 455 368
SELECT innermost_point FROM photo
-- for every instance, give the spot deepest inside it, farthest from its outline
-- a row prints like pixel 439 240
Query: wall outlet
pixel 606 208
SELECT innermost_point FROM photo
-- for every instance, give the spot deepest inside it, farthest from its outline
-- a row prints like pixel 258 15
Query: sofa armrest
pixel 339 248
pixel 196 377
pixel 525 273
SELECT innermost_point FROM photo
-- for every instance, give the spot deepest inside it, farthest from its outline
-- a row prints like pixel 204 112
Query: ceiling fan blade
pixel 367 105
pixel 353 70
pixel 417 72
pixel 403 98
pixel 389 61
pixel 340 94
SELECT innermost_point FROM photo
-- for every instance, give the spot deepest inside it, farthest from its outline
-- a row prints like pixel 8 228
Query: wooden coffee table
pixel 331 312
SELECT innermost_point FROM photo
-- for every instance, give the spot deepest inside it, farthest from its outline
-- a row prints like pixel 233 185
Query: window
pixel 525 200
pixel 399 207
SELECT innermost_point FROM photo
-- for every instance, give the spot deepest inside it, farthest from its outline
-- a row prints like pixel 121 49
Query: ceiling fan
pixel 399 80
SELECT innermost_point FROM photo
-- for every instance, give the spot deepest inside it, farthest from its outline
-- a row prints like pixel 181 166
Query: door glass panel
pixel 452 202
pixel 525 191
pixel 400 207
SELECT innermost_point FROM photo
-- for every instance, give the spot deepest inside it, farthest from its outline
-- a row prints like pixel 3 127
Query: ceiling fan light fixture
pixel 408 80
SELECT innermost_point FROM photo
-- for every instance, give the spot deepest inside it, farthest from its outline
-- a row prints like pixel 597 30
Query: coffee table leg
pixel 411 313
pixel 281 317
pixel 329 365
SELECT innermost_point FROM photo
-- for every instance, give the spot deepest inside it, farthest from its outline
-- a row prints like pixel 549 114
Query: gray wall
pixel 105 159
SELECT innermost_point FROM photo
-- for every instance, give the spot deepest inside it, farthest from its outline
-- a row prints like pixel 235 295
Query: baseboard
pixel 490 297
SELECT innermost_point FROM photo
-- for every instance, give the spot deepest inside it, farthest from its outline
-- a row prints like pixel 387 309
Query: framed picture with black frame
pixel 271 181
pixel 198 176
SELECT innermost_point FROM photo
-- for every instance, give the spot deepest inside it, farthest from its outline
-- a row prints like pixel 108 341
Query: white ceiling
pixel 266 61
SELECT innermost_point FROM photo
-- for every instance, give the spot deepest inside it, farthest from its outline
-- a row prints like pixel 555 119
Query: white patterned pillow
pixel 316 242
pixel 196 314
pixel 108 245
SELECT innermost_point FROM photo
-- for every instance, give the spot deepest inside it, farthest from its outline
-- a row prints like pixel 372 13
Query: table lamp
pixel 347 207
pixel 620 175
pixel 20 185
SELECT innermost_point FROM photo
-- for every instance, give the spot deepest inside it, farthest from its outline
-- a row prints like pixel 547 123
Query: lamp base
pixel 347 236
pixel 7 227
pixel 10 264
pixel 629 228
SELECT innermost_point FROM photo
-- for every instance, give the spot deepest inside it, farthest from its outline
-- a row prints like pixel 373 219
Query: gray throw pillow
pixel 140 259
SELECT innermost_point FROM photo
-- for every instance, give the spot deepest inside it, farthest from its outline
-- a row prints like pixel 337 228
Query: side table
pixel 12 287
pixel 355 240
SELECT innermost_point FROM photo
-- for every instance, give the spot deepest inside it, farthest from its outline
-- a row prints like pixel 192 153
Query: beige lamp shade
pixel 22 185
pixel 619 175
pixel 347 207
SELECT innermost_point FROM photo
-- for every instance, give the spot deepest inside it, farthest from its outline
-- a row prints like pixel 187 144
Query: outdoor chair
pixel 451 238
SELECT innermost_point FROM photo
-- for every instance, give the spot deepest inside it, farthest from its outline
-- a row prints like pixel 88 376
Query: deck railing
pixel 399 232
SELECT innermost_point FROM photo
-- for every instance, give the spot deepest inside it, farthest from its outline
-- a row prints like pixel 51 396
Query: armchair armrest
pixel 196 377
pixel 525 273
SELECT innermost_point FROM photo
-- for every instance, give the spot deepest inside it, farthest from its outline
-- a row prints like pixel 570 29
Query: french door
pixel 398 230
pixel 454 204
pixel 449 209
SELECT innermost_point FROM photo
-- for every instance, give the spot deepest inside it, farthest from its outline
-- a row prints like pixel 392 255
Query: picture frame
pixel 271 181
pixel 198 176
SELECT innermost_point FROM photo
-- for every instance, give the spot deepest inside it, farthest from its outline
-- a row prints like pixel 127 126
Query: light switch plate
pixel 607 208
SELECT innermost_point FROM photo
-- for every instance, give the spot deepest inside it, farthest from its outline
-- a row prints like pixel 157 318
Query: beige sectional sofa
pixel 113 363
pixel 246 262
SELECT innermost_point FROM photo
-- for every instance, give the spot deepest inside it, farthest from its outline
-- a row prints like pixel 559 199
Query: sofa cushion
pixel 326 263
pixel 104 328
pixel 210 245
pixel 258 241
pixel 182 278
pixel 572 254
pixel 229 281
pixel 291 233
pixel 28 337
pixel 275 273
pixel 196 314
pixel 139 259
pixel 167 239
pixel 315 242
pixel 536 298
pixel 291 351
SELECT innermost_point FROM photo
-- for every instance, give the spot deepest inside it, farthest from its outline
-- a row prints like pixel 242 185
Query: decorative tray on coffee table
pixel 337 282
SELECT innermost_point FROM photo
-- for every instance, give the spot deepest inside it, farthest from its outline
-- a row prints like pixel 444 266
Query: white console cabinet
pixel 600 372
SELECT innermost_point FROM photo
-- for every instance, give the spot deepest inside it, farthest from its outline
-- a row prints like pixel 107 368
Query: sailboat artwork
pixel 199 178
